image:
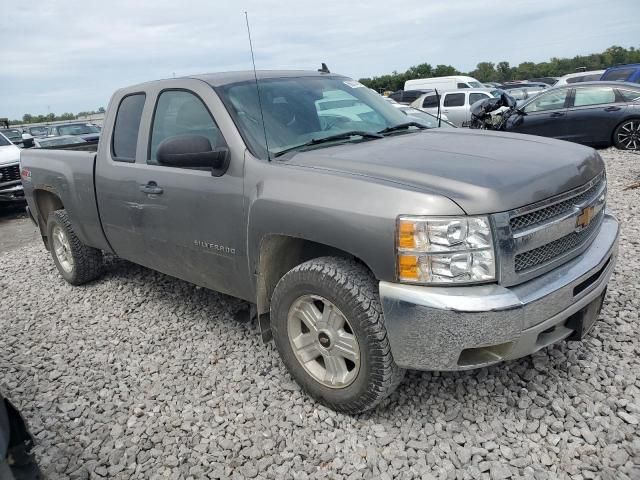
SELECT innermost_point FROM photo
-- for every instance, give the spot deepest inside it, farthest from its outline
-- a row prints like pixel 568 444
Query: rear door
pixel 545 115
pixel 454 106
pixel 593 114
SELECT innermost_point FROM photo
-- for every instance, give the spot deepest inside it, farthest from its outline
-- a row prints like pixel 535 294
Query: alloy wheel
pixel 323 341
pixel 628 135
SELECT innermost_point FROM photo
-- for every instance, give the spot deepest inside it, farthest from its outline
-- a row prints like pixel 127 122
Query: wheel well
pixel 281 253
pixel 47 202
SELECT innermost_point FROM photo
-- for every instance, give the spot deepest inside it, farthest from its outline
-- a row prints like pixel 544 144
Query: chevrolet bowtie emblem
pixel 585 217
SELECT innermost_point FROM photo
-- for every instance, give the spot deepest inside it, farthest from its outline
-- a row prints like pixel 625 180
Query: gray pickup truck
pixel 365 244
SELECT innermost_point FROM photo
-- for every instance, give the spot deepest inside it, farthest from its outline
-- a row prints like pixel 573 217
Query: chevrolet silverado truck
pixel 366 244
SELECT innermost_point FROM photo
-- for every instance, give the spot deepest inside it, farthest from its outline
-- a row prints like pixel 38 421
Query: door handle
pixel 151 188
pixel 445 111
pixel 557 114
pixel 612 109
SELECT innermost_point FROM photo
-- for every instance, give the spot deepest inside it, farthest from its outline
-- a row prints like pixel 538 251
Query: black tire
pixel 626 136
pixel 87 261
pixel 353 290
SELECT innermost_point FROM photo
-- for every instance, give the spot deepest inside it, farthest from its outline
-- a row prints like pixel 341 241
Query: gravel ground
pixel 140 375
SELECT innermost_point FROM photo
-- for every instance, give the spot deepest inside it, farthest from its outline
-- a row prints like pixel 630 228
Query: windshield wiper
pixel 402 126
pixel 330 138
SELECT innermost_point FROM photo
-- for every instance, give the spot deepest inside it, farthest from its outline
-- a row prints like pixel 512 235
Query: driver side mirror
pixel 193 151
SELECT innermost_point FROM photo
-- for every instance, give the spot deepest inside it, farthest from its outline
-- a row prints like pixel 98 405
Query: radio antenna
pixel 255 76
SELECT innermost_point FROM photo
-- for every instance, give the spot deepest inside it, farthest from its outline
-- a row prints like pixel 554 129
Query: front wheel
pixel 328 327
pixel 76 262
pixel 627 135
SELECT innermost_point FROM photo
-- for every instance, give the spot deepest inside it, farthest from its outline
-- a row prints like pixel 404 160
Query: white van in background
pixel 453 82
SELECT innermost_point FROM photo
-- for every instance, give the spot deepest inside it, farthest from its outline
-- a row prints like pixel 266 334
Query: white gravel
pixel 139 375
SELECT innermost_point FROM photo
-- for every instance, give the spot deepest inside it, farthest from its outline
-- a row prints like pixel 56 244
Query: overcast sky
pixel 71 56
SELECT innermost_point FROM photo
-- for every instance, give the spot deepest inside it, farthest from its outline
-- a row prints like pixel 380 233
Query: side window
pixel 430 101
pixel 179 112
pixel 629 95
pixel 593 96
pixel 125 131
pixel 474 97
pixel 463 85
pixel 454 100
pixel 548 101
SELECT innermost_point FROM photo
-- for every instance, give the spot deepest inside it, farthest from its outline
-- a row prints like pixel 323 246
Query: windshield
pixel 13 135
pixel 4 141
pixel 300 109
pixel 35 131
pixel 77 129
pixel 475 84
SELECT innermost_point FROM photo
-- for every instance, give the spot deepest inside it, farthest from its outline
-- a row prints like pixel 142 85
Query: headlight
pixel 438 250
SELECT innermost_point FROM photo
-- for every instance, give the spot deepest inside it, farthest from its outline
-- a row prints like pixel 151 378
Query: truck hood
pixel 9 154
pixel 483 172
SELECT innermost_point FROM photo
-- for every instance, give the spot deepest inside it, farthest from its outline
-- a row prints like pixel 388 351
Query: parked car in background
pixel 523 84
pixel 86 131
pixel 492 84
pixel 37 131
pixel 407 96
pixel 623 73
pixel 456 104
pixel 599 114
pixel 580 77
pixel 10 185
pixel 17 137
pixel 47 142
pixel 442 83
pixel 551 81
pixel 13 134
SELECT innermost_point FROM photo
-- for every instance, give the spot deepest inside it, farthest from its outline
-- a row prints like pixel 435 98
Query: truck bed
pixel 69 174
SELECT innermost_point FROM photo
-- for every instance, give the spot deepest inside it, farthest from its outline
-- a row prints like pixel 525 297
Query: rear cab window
pixel 126 128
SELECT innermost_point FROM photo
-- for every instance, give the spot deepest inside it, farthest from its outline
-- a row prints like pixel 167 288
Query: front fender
pixel 352 213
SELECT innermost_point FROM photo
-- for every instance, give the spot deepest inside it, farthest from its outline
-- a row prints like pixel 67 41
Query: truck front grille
pixel 537 238
pixel 536 217
pixel 10 173
pixel 545 253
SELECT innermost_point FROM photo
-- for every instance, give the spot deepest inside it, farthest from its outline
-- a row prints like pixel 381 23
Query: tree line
pixel 503 72
pixel 52 117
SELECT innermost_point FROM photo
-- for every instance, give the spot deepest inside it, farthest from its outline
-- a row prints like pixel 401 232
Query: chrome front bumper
pixel 458 328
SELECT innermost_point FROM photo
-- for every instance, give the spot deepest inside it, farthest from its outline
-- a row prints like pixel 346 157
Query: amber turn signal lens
pixel 408 267
pixel 406 232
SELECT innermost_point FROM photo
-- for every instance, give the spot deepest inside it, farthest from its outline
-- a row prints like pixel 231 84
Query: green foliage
pixel 502 71
pixel 52 117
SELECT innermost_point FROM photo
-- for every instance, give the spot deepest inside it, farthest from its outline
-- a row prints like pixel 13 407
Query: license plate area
pixel 583 320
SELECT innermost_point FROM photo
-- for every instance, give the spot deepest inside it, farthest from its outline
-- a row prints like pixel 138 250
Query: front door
pixel 545 115
pixel 454 107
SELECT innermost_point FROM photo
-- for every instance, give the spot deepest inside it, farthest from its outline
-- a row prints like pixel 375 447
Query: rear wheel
pixel 627 135
pixel 328 327
pixel 76 262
